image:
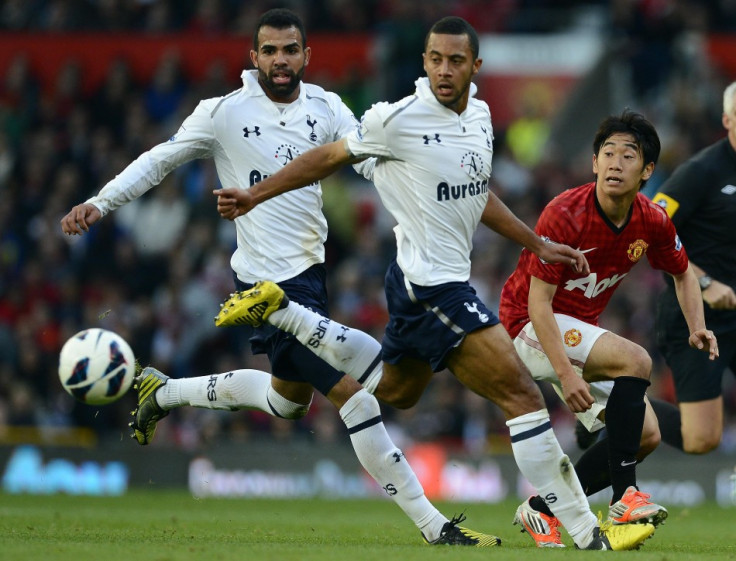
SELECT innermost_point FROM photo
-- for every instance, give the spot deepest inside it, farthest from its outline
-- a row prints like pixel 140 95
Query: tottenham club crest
pixel 473 309
pixel 572 337
pixel 285 153
pixel 472 163
pixel 311 122
pixel 637 249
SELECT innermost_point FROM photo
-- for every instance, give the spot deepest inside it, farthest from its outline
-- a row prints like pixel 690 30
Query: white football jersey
pixel 432 174
pixel 249 139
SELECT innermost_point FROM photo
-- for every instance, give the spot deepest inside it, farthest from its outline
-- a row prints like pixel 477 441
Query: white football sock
pixel 348 350
pixel 239 389
pixel 541 460
pixel 387 464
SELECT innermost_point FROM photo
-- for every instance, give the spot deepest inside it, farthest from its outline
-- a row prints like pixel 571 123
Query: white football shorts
pixel 578 338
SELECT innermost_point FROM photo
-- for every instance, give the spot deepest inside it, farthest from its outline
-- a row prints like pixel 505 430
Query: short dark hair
pixel 635 124
pixel 453 25
pixel 279 18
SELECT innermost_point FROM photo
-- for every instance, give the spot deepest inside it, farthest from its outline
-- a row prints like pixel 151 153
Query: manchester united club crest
pixel 637 249
pixel 572 337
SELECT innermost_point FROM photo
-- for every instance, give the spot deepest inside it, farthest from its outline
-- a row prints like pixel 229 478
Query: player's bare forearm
pixel 690 298
pixel 310 167
pixel 691 303
pixel 499 218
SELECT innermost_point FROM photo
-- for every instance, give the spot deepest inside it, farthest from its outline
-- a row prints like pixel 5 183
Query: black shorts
pixel 427 322
pixel 290 360
pixel 696 377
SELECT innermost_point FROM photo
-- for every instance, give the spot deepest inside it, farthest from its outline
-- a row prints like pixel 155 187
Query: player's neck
pixel 616 208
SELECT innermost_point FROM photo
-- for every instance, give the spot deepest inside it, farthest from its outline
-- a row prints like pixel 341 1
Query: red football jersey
pixel 576 219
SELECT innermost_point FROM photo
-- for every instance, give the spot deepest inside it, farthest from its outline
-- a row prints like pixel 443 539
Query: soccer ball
pixel 96 366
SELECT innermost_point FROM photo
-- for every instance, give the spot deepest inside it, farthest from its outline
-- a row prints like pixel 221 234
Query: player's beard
pixel 281 90
pixel 454 101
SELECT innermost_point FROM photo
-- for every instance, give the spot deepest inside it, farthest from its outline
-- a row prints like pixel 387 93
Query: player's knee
pixel 700 444
pixel 640 363
pixel 397 399
pixel 520 398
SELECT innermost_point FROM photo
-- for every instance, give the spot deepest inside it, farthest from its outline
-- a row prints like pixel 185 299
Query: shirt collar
pixel 424 92
pixel 253 87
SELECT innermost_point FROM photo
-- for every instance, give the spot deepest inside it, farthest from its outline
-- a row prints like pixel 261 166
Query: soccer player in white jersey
pixel 251 133
pixel 433 151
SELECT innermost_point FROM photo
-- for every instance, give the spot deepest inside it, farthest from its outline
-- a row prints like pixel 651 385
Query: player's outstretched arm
pixel 691 303
pixel 308 168
pixel 499 218
pixel 79 219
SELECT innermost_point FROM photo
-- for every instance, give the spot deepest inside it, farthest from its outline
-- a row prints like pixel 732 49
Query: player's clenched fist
pixel 79 219
pixel 232 202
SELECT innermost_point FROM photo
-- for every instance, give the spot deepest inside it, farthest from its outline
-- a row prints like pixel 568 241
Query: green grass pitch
pixel 173 526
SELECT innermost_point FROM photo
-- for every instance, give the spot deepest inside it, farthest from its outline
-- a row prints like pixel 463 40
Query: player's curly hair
pixel 453 25
pixel 635 124
pixel 279 18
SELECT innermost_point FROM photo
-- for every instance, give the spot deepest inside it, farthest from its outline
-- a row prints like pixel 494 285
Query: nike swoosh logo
pixel 588 250
pixel 625 463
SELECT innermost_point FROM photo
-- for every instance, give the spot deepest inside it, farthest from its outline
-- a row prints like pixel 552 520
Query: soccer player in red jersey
pixel 552 313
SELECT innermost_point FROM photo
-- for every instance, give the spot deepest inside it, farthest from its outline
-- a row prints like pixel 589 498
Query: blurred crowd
pixel 155 270
pixel 212 17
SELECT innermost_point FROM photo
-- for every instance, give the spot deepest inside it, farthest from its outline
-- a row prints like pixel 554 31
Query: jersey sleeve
pixel 370 139
pixel 194 139
pixel 669 254
pixel 681 194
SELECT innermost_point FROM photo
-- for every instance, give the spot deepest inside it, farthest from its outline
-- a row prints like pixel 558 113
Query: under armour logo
pixel 397 456
pixel 473 308
pixel 342 337
pixel 436 137
pixel 312 135
pixel 255 131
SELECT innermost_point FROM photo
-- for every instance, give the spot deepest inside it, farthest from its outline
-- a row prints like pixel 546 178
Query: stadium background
pixel 86 86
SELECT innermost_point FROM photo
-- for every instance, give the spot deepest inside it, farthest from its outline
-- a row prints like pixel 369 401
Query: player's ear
pixel 254 58
pixel 307 55
pixel 595 164
pixel 648 171
pixel 726 120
